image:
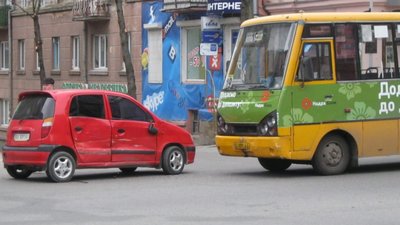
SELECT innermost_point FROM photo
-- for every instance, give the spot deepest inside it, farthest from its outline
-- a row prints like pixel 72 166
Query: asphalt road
pixel 214 190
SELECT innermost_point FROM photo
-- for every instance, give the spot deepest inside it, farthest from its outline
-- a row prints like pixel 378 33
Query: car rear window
pixel 35 107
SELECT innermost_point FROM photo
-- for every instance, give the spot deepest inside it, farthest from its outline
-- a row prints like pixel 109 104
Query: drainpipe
pixel 371 5
pixel 255 8
pixel 85 52
pixel 10 60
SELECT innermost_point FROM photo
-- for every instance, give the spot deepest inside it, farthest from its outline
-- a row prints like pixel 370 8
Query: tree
pixel 126 55
pixel 246 10
pixel 34 14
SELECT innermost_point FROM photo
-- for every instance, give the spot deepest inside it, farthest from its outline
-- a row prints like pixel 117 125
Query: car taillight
pixel 46 126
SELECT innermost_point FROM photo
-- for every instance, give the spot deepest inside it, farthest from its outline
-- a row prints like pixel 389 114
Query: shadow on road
pixel 307 171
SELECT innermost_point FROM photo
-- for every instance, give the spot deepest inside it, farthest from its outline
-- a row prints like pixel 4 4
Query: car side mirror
pixel 152 129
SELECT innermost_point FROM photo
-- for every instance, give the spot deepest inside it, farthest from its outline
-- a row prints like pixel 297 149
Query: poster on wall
pixel 172 98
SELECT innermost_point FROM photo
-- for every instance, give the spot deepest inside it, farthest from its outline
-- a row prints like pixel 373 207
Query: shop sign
pixel 208 49
pixel 219 7
pixel 210 23
pixel 123 88
pixel 214 62
pixel 211 36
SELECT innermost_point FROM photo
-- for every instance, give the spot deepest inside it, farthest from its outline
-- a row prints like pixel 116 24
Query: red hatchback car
pixel 61 130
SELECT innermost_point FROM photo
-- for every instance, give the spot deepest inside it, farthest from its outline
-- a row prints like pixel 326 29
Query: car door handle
pixel 120 131
pixel 78 129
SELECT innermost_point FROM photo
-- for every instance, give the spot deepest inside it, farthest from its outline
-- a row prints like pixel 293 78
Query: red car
pixel 61 130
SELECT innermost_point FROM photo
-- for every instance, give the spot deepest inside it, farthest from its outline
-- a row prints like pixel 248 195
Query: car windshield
pixel 260 57
pixel 35 107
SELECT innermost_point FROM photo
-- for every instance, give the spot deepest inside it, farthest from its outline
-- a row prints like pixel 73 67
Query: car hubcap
pixel 332 154
pixel 176 160
pixel 63 167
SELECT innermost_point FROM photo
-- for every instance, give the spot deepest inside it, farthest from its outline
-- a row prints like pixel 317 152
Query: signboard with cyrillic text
pixel 219 7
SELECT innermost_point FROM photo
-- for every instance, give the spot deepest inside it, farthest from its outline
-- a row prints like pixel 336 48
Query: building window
pixel 155 56
pixel 75 53
pixel 21 54
pixel 100 52
pixel 37 61
pixel 193 66
pixel 56 53
pixel 24 3
pixel 4 112
pixel 4 55
pixel 129 48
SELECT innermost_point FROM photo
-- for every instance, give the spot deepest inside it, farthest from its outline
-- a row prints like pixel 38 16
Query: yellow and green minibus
pixel 315 88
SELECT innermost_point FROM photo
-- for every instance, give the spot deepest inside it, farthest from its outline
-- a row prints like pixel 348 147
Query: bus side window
pixel 315 62
pixel 376 51
pixel 345 49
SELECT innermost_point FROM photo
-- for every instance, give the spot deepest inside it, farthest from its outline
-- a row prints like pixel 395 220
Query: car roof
pixel 68 92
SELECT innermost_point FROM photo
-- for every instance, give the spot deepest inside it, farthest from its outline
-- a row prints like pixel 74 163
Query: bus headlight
pixel 268 126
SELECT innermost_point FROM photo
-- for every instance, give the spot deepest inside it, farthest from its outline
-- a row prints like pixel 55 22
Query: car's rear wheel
pixel 173 160
pixel 274 165
pixel 129 170
pixel 61 167
pixel 19 172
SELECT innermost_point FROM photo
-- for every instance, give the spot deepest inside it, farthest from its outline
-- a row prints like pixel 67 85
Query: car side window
pixel 88 106
pixel 124 109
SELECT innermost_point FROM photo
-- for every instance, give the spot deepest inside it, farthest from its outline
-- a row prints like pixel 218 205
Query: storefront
pixel 183 62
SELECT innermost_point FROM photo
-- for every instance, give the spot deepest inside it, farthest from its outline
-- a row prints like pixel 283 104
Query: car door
pixel 90 129
pixel 131 139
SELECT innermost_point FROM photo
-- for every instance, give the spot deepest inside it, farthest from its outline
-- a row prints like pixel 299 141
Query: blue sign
pixel 211 36
pixel 219 7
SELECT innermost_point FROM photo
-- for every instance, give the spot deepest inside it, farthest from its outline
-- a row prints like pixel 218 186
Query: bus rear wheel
pixel 332 156
pixel 274 165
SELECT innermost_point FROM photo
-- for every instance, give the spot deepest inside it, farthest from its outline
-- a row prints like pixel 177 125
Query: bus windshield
pixel 260 57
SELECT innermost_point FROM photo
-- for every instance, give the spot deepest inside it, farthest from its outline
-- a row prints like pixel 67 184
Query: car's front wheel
pixel 61 167
pixel 19 172
pixel 173 160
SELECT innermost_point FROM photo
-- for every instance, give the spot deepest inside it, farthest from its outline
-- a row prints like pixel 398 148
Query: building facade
pixel 81 48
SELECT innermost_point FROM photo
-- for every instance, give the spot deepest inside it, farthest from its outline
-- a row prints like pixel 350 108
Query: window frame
pixel 155 43
pixel 21 54
pixel 129 49
pixel 5 60
pixel 75 60
pixel 5 112
pixel 55 43
pixel 102 42
pixel 185 27
pixel 330 43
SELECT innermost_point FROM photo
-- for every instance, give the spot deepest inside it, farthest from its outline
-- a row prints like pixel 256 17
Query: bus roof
pixel 323 17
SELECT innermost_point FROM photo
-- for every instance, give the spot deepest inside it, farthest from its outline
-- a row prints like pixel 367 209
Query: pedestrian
pixel 48 84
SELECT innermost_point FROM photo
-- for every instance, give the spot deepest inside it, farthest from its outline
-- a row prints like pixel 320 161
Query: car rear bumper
pixel 28 156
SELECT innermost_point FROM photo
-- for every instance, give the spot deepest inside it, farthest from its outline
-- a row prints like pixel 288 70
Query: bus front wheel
pixel 332 156
pixel 274 165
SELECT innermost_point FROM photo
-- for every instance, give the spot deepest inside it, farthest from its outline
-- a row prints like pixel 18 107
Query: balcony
pixel 91 10
pixel 186 6
pixel 4 16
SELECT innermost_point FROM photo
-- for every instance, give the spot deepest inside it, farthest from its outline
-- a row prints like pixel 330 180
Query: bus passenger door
pixel 314 99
